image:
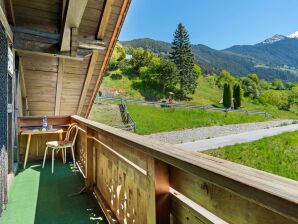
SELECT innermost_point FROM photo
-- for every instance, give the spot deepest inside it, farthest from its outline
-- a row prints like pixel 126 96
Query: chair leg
pixel 73 156
pixel 44 157
pixel 53 157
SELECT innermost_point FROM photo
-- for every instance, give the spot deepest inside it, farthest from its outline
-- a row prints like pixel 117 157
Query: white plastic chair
pixel 62 145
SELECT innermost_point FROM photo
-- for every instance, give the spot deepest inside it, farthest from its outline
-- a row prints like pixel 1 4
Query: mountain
pixel 275 57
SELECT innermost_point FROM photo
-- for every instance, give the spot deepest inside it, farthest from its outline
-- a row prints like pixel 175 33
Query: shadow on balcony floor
pixel 40 197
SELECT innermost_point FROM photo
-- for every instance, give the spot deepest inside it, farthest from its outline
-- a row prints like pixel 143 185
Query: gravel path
pixel 191 135
pixel 214 143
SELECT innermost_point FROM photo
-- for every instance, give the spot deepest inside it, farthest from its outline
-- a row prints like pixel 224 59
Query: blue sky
pixel 216 23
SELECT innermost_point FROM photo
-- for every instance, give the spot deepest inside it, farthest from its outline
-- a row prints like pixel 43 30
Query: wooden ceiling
pixel 63 47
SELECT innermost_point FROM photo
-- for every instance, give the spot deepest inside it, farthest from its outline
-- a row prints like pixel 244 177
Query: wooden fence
pixel 140 180
pixel 189 106
pixel 129 123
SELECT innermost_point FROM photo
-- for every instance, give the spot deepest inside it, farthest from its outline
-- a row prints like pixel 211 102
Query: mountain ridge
pixel 275 57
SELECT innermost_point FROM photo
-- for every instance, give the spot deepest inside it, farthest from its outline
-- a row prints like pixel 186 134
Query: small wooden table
pixel 39 132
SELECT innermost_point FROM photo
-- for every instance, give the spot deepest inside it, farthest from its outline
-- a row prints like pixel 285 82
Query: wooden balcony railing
pixel 140 180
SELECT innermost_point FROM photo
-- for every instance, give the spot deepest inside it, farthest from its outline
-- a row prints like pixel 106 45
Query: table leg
pixel 37 146
pixel 27 150
pixel 62 151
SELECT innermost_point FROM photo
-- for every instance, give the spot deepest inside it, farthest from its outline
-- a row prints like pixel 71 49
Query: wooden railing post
pixel 89 160
pixel 162 196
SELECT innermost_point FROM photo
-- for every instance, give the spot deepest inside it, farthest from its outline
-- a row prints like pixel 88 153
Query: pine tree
pixel 183 57
pixel 227 96
pixel 237 96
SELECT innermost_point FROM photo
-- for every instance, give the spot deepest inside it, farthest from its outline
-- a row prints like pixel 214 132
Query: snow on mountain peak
pixel 294 35
pixel 274 39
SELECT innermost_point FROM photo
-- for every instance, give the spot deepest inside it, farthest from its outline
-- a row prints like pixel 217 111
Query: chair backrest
pixel 72 132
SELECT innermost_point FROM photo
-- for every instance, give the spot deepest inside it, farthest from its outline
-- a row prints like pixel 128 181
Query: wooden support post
pixel 74 42
pixel 162 196
pixel 23 89
pixel 10 12
pixel 71 16
pixel 4 23
pixel 88 78
pixel 89 161
pixel 59 86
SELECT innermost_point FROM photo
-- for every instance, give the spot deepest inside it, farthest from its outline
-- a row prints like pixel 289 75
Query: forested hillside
pixel 150 77
pixel 270 59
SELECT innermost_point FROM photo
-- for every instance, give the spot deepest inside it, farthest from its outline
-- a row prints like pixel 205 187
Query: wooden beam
pixel 105 19
pixel 28 52
pixel 72 17
pixel 59 86
pixel 109 52
pixel 10 12
pixel 91 44
pixel 40 34
pixel 4 22
pixel 89 75
pixel 23 89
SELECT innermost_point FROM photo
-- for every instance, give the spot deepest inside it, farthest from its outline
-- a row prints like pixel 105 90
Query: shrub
pixel 275 98
pixel 237 96
pixel 227 96
pixel 225 77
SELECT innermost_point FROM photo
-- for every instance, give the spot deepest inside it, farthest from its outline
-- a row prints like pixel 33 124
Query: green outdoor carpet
pixel 40 197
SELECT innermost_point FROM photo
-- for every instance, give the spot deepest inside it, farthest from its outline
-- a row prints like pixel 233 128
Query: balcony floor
pixel 38 196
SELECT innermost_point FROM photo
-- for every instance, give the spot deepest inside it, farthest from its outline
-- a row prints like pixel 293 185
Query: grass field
pixel 107 114
pixel 277 155
pixel 151 119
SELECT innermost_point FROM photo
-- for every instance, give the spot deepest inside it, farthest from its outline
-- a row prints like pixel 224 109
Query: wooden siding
pixel 41 15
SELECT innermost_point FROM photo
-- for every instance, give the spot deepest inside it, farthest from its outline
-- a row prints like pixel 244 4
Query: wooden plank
pixel 87 81
pixel 208 195
pixel 111 45
pixel 47 6
pixel 10 12
pixel 24 30
pixel 183 210
pixel 162 197
pixel 45 16
pixel 4 22
pixel 105 19
pixel 23 89
pixel 89 169
pixel 93 44
pixel 54 55
pixel 32 121
pixel 72 18
pixel 59 86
